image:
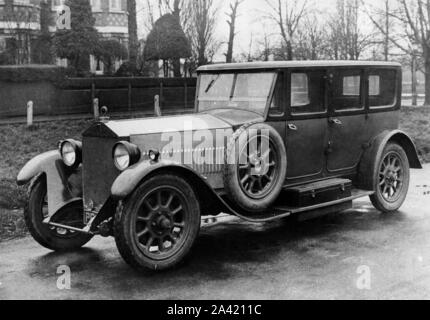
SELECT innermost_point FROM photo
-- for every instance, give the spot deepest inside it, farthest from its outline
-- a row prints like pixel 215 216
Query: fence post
pixel 157 109
pixel 96 109
pixel 186 94
pixel 129 96
pixel 29 113
pixel 414 82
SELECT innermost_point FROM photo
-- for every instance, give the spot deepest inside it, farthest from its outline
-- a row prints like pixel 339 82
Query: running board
pixel 281 212
pixel 356 194
pixel 276 213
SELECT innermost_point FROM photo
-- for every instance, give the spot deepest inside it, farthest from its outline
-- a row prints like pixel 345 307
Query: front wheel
pixel 392 181
pixel 157 225
pixel 53 238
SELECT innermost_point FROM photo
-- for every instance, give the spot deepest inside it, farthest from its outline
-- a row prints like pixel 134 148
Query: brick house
pixel 20 24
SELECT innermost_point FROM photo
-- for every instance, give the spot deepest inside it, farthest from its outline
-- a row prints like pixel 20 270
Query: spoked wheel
pixel 393 179
pixel 256 167
pixel 158 225
pixel 259 170
pixel 53 238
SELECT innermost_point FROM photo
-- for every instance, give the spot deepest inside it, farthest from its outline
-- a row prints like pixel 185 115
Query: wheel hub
pixel 161 223
pixel 391 177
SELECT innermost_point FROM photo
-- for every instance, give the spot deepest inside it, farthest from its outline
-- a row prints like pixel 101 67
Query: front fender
pixel 128 181
pixel 36 166
pixel 63 186
pixel 372 156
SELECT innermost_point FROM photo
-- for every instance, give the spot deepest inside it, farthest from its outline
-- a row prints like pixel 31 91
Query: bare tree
pixel 383 21
pixel 265 45
pixel 201 29
pixel 287 14
pixel 347 39
pixel 414 40
pixel 232 16
pixel 150 15
pixel 311 39
pixel 133 42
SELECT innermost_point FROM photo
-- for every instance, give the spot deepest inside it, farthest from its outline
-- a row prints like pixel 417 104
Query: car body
pixel 330 129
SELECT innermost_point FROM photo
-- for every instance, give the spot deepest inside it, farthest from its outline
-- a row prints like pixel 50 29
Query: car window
pixel 382 88
pixel 345 90
pixel 276 106
pixel 351 86
pixel 307 92
pixel 374 85
pixel 299 90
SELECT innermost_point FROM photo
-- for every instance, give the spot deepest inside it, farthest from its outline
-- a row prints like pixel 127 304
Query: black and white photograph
pixel 214 155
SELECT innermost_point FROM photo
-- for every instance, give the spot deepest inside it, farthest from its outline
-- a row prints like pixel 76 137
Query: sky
pixel 250 23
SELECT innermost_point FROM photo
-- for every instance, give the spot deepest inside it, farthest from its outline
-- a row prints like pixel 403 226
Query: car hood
pixel 127 128
pixel 218 119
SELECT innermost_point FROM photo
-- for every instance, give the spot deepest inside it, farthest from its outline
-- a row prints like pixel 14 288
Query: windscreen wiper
pixel 211 84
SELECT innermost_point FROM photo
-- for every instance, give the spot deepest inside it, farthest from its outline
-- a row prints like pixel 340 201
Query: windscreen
pixel 245 91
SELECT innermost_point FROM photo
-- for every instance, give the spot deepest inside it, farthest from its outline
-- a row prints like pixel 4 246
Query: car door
pixel 347 119
pixel 306 131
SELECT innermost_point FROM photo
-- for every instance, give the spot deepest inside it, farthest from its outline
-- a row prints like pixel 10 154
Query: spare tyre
pixel 256 167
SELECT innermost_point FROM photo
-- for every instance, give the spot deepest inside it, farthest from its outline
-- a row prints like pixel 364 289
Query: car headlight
pixel 125 155
pixel 71 152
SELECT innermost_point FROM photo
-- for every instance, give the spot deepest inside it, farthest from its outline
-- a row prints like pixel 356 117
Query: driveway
pixel 360 254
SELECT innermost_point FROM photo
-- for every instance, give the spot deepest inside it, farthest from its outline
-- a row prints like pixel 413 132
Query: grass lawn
pixel 19 144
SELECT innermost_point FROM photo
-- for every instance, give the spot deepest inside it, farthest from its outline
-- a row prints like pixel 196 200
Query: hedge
pixel 34 73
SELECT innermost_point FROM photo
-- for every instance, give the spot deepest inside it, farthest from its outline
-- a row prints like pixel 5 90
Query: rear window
pixel 382 88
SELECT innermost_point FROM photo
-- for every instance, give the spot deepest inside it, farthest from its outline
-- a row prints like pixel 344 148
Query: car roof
pixel 295 64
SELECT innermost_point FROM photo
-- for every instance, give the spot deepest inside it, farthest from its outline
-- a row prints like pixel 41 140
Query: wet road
pixel 359 254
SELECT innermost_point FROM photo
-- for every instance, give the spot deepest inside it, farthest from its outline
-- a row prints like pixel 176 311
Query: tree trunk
pixel 414 81
pixel 289 51
pixel 177 67
pixel 132 31
pixel 427 82
pixel 166 68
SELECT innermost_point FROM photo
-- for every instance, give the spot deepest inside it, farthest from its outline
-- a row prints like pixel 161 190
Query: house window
pixel 115 5
pixel 56 4
pixel 96 5
pixel 2 44
pixel 21 1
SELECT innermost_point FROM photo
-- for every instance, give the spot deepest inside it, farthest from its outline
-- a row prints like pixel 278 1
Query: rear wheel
pixel 159 223
pixel 392 181
pixel 53 238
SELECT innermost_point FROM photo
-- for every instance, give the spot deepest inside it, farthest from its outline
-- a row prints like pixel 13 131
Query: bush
pixel 34 73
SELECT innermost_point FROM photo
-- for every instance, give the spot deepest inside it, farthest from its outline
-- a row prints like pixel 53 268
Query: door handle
pixel 292 127
pixel 335 121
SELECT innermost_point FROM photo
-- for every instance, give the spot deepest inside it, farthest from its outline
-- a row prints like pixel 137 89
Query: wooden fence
pixel 76 95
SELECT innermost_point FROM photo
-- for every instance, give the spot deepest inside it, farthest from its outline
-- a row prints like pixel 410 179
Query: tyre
pixel 53 238
pixel 256 167
pixel 392 180
pixel 156 227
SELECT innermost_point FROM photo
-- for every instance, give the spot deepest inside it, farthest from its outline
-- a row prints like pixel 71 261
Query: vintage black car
pixel 267 141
